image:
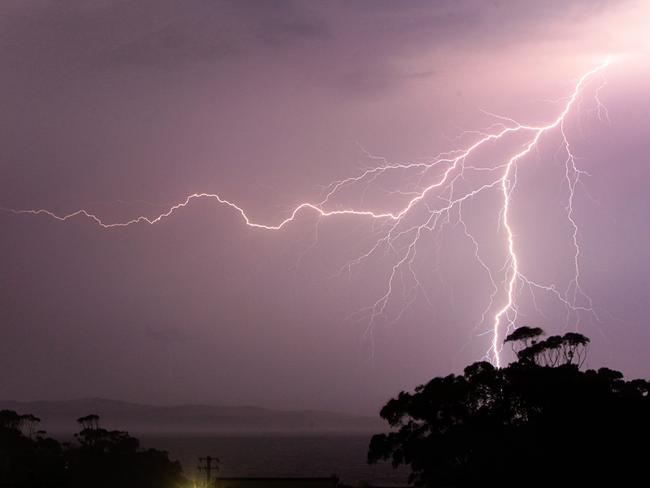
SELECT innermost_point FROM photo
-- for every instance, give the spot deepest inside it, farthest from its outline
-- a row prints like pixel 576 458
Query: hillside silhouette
pixel 58 418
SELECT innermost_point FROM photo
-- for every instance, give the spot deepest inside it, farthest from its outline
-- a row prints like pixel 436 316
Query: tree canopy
pixel 541 421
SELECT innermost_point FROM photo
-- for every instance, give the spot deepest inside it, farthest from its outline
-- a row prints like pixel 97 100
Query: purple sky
pixel 124 108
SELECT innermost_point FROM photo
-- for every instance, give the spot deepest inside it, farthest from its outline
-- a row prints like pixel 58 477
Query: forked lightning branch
pixel 403 227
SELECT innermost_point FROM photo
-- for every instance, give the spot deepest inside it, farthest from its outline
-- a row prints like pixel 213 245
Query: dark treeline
pixel 541 421
pixel 97 458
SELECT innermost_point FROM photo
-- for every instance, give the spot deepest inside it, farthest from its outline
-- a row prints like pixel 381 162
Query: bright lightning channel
pixel 401 238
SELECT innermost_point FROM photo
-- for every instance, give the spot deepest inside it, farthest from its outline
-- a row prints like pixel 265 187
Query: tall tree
pixel 541 421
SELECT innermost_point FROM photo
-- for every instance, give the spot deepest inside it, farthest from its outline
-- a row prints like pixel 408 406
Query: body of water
pixel 282 456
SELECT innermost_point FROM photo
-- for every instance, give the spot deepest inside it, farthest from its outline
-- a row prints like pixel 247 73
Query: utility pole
pixel 208 464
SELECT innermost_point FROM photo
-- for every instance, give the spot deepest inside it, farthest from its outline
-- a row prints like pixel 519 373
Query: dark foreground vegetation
pixel 541 421
pixel 98 458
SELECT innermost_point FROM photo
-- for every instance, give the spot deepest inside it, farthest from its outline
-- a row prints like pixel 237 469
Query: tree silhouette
pixel 28 423
pixel 523 336
pixel 109 458
pixel 99 458
pixel 89 422
pixel 541 421
pixel 556 350
pixel 28 460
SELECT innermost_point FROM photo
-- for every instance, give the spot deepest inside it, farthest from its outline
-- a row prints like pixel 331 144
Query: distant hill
pixel 59 417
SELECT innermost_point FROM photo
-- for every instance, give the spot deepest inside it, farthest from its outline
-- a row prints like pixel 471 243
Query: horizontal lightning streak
pixel 454 166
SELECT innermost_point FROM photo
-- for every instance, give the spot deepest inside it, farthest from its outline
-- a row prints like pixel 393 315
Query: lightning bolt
pixel 433 202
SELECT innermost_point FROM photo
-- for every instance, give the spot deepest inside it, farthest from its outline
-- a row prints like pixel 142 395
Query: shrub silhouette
pixel 541 421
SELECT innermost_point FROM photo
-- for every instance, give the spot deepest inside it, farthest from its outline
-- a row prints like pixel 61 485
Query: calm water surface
pixel 282 455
